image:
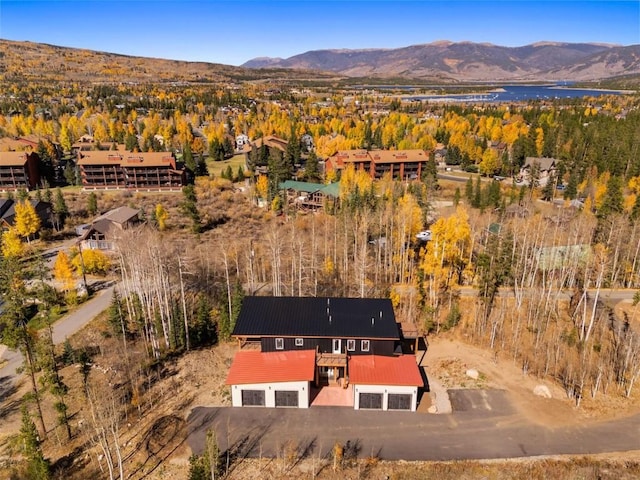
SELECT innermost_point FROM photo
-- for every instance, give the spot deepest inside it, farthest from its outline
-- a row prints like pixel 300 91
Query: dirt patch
pixel 448 359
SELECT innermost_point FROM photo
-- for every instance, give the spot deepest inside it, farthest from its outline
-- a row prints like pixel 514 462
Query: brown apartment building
pixel 130 170
pixel 19 170
pixel 401 164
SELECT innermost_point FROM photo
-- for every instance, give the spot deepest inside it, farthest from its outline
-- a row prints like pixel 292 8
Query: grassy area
pixel 216 168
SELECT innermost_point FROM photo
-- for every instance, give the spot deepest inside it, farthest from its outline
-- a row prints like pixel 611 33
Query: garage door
pixel 371 400
pixel 399 401
pixel 286 398
pixel 253 398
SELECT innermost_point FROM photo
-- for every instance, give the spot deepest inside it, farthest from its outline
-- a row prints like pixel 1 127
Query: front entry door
pixel 337 345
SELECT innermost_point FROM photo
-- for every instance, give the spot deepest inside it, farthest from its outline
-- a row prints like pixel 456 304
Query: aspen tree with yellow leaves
pixel 161 215
pixel 446 258
pixel 27 220
pixel 12 245
pixel 63 271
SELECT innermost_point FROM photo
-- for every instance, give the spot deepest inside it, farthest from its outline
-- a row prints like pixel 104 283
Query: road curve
pixel 62 329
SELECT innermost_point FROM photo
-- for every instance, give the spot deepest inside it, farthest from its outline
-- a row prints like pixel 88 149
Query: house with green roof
pixel 310 196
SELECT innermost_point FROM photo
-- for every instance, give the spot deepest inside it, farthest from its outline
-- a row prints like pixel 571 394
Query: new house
pixel 19 170
pixel 304 351
pixel 401 164
pixel 109 169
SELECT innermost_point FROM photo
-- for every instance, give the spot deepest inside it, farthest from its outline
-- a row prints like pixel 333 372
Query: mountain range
pixel 441 62
pixel 469 62
pixel 38 62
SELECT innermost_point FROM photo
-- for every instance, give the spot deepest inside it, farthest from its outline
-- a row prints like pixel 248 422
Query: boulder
pixel 472 373
pixel 542 391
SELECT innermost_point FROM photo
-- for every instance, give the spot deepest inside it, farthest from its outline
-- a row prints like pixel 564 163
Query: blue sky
pixel 233 32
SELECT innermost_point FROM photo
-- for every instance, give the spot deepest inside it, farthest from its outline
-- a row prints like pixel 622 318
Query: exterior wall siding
pixel 270 389
pixel 385 390
pixel 325 345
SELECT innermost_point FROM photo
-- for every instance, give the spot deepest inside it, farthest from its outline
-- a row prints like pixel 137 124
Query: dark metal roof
pixel 317 317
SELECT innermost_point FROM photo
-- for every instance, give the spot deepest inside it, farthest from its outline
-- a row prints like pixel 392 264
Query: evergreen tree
pixel 203 330
pixel 60 209
pixel 312 168
pixel 549 188
pixel 240 174
pixel 216 150
pixel 227 148
pixel 430 173
pixel 116 317
pixel 494 194
pixel 468 191
pixel 456 197
pixel 635 211
pixel 494 268
pixel 14 331
pixel 202 169
pixel 228 173
pixel 571 191
pixel 279 171
pixel 92 204
pixel 37 466
pixel 613 201
pixel 477 194
pixel 70 173
pixel 187 158
pixel 292 152
pixel 52 379
pixel 44 152
pixel 22 195
pixel 190 209
pixel 131 143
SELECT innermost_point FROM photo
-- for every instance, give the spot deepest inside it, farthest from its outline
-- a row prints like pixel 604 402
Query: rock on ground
pixel 472 373
pixel 542 391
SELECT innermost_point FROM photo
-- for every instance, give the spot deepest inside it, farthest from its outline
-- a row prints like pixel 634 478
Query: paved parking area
pixel 489 402
pixel 482 425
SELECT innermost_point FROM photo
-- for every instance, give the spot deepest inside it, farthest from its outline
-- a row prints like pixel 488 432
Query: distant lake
pixel 517 93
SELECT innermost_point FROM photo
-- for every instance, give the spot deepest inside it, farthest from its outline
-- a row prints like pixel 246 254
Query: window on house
pixel 365 345
pixel 351 345
pixel 299 342
pixel 279 343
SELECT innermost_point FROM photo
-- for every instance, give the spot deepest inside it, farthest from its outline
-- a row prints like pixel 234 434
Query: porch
pixel 332 396
pixel 331 370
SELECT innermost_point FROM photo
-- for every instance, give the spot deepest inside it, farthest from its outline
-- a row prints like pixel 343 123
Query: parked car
pixel 424 236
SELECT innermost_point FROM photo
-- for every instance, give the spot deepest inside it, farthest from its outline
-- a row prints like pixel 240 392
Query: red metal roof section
pixel 379 370
pixel 256 367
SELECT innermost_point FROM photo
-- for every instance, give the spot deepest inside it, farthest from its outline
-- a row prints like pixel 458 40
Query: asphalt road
pixel 484 426
pixel 62 329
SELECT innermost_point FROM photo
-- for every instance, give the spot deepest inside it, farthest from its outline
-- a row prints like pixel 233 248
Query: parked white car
pixel 424 236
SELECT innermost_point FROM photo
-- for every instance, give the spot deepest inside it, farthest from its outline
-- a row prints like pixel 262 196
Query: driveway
pixel 490 429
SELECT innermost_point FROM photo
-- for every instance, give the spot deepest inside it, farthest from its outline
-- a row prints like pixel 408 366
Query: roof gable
pixel 317 317
pixel 251 366
pixel 545 163
pixel 380 370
